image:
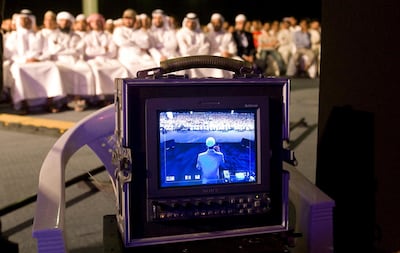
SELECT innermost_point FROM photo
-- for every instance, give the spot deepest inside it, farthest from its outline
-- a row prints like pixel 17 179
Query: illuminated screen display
pixel 207 147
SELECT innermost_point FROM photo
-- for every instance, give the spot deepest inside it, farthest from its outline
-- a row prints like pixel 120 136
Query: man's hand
pixel 31 60
pixel 248 58
pixel 226 54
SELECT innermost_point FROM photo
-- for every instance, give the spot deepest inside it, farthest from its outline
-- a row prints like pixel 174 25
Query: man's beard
pixel 65 29
pixel 217 29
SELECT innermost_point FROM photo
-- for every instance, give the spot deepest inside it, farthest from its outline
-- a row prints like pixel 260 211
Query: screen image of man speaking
pixel 209 162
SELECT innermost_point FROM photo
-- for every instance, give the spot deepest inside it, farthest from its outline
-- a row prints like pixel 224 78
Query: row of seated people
pixel 287 47
pixel 275 41
pixel 58 67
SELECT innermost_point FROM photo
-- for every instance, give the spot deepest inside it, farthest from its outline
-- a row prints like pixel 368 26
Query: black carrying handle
pixel 198 61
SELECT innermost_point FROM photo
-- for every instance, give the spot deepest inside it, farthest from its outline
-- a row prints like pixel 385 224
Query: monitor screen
pixel 207 146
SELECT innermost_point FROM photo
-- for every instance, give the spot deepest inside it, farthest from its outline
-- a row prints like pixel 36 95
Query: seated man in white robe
pixel 8 26
pixel 304 57
pixel 8 80
pixel 165 44
pixel 49 24
pixel 286 46
pixel 192 41
pixel 133 45
pixel 66 48
pixel 80 25
pixel 37 80
pixel 101 53
pixel 221 43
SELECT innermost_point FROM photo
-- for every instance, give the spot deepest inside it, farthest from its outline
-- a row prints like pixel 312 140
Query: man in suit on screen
pixel 209 162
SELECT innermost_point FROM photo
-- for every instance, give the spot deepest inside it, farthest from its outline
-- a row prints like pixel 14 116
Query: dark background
pixel 358 151
pixel 266 10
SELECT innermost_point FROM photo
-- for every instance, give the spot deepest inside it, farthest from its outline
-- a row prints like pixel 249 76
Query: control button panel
pixel 189 208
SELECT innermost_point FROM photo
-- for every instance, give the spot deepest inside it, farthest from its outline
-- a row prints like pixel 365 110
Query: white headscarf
pixel 217 16
pixel 159 12
pixel 65 15
pixel 240 18
pixel 193 16
pixel 24 13
pixel 23 42
pixel 80 17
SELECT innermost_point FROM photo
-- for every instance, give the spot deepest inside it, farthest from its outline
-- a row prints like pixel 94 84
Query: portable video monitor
pixel 200 159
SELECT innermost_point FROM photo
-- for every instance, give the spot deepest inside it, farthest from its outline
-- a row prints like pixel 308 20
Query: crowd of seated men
pixel 72 62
